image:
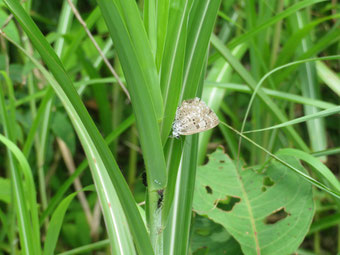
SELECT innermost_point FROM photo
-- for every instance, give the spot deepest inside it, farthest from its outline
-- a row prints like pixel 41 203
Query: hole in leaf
pixel 277 216
pixel 264 189
pixel 228 203
pixel 268 182
pixel 222 161
pixel 208 189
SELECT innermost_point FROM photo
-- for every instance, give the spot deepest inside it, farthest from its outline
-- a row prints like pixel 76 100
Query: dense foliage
pixel 89 92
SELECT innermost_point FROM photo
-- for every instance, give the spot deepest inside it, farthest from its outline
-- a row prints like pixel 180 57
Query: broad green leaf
pixel 333 192
pixel 316 165
pixel 212 238
pixel 267 213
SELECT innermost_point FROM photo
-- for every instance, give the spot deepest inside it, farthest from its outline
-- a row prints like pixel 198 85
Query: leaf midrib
pixel 251 217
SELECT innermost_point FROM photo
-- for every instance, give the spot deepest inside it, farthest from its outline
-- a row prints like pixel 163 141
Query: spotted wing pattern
pixel 192 117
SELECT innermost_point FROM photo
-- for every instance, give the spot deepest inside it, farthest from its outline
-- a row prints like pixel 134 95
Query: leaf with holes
pixel 267 213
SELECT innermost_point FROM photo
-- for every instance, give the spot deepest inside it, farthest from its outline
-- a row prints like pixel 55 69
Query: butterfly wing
pixel 194 116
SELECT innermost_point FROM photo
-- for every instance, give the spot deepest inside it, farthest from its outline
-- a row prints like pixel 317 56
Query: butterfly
pixel 192 117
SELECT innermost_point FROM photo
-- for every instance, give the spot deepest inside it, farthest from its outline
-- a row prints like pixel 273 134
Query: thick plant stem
pixel 155 221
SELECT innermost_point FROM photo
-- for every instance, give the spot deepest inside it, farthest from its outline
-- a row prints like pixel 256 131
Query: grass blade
pixel 56 222
pixel 274 93
pixel 312 116
pixel 139 88
pixel 329 77
pixel 310 89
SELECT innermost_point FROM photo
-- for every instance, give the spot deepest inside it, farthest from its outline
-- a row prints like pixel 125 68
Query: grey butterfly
pixel 192 117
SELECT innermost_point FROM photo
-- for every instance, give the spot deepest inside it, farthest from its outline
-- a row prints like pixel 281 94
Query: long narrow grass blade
pixel 130 15
pixel 201 22
pixel 140 87
pixel 162 26
pixel 310 88
pixel 177 232
pixel 330 78
pixel 56 223
pixel 173 62
pixel 150 24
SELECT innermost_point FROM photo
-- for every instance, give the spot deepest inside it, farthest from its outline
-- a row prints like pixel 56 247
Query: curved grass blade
pixel 320 114
pixel 56 222
pixel 87 248
pixel 330 78
pixel 315 163
pixel 274 93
